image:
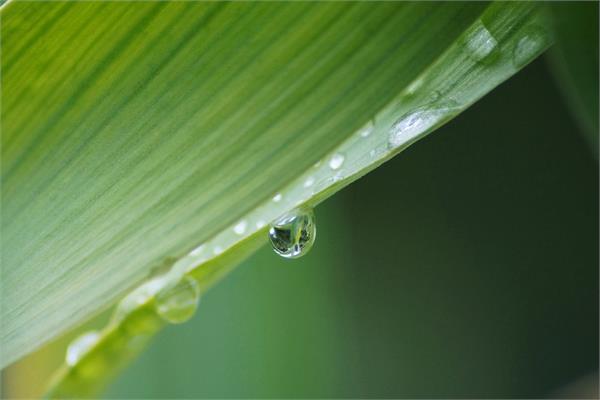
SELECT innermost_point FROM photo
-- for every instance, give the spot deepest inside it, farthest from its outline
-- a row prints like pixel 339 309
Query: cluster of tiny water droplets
pixel 293 235
pixel 294 197
pixel 480 45
pixel 80 346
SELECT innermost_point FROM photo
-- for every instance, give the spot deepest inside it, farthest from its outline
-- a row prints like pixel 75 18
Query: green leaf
pixel 137 135
pixel 575 62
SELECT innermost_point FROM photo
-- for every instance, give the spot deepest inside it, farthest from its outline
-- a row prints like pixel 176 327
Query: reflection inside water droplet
pixel 293 235
pixel 177 304
pixel 80 346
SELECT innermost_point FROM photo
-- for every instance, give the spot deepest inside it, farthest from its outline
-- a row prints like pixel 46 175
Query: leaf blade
pixel 160 184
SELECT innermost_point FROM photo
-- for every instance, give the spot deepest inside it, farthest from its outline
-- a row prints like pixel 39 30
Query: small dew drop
pixel 309 181
pixel 336 161
pixel 277 198
pixel 240 227
pixel 197 251
pixel 415 85
pixel 417 122
pixel 293 235
pixel 367 130
pixel 530 45
pixel 436 95
pixel 480 43
pixel 177 304
pixel 80 346
pixel 217 250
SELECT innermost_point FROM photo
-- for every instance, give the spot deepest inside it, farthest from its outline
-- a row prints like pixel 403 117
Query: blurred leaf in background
pixel 575 60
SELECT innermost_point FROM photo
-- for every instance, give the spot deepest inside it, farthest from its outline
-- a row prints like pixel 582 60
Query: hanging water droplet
pixel 417 122
pixel 293 235
pixel 80 346
pixel 240 227
pixel 277 198
pixel 480 43
pixel 336 161
pixel 178 303
pixel 530 45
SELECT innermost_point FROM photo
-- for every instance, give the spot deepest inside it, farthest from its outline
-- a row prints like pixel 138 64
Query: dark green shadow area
pixel 465 267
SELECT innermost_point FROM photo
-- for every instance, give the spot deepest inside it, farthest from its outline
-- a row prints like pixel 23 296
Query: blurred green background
pixel 465 267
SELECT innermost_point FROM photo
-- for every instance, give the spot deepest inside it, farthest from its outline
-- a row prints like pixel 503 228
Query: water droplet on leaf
pixel 336 161
pixel 417 122
pixel 293 235
pixel 480 43
pixel 530 45
pixel 197 251
pixel 178 303
pixel 367 130
pixel 277 197
pixel 240 227
pixel 80 346
pixel 415 85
